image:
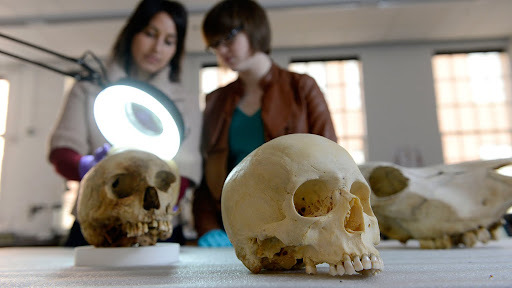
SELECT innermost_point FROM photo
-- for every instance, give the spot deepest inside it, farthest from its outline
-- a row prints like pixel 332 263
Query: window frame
pixel 460 134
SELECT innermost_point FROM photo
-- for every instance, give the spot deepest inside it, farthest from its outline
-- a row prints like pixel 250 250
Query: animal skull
pixel 300 199
pixel 441 206
pixel 127 199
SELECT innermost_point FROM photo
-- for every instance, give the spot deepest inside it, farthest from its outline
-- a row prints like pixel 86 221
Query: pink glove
pixel 88 161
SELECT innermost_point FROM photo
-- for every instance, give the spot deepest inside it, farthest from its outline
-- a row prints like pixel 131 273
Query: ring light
pixel 134 114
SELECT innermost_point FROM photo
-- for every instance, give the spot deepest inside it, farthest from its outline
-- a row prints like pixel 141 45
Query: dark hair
pixel 140 18
pixel 230 14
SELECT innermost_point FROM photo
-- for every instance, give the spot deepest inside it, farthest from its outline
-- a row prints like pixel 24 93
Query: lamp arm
pixel 72 74
pixel 100 78
pixel 86 73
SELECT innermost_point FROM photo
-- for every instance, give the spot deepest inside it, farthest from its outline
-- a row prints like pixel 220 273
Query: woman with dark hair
pixel 138 22
pixel 265 102
pixel 149 48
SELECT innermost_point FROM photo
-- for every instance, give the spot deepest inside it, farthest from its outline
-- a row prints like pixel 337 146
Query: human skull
pixel 441 206
pixel 128 199
pixel 300 199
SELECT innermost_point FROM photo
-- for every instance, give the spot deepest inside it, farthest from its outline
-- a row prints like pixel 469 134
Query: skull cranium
pixel 300 199
pixel 441 206
pixel 128 199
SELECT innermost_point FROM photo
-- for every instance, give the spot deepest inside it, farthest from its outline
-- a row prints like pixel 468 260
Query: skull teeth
pixel 141 228
pixel 310 267
pixel 347 264
pixel 468 239
pixel 483 235
pixel 364 264
pixel 358 266
pixel 367 263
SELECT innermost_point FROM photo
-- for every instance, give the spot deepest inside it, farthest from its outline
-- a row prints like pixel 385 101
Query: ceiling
pixel 72 27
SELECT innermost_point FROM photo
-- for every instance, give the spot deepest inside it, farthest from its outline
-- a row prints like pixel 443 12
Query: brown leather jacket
pixel 291 103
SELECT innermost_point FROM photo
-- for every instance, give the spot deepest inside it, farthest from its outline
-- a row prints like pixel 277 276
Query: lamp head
pixel 134 114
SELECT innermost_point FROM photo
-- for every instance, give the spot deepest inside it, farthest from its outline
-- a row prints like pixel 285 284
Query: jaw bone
pixel 441 206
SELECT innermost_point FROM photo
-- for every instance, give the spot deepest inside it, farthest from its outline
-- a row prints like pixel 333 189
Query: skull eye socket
pixel 387 181
pixel 164 179
pixel 313 199
pixel 123 185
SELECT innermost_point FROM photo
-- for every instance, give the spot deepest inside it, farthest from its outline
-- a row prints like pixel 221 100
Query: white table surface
pixel 487 265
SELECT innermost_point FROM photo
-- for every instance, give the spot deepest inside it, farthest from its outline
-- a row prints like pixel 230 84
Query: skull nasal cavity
pixel 151 199
pixel 354 220
pixel 313 198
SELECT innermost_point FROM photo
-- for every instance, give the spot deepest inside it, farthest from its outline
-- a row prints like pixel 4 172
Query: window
pixel 213 77
pixel 473 105
pixel 340 81
pixel 4 101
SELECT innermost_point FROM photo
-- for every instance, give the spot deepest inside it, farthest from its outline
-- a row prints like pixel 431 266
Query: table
pixel 487 265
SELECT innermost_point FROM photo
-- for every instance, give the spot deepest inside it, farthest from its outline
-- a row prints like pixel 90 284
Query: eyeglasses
pixel 226 41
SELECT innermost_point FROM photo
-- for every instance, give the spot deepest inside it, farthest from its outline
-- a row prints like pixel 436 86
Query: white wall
pixel 400 102
pixel 28 181
pixel 399 98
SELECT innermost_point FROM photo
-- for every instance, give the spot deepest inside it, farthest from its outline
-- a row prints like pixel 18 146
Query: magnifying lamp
pixel 134 114
pixel 129 113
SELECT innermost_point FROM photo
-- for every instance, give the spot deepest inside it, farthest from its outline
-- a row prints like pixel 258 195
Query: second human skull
pixel 128 199
pixel 301 199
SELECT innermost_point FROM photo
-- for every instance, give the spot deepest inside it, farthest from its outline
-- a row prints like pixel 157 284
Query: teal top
pixel 245 134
